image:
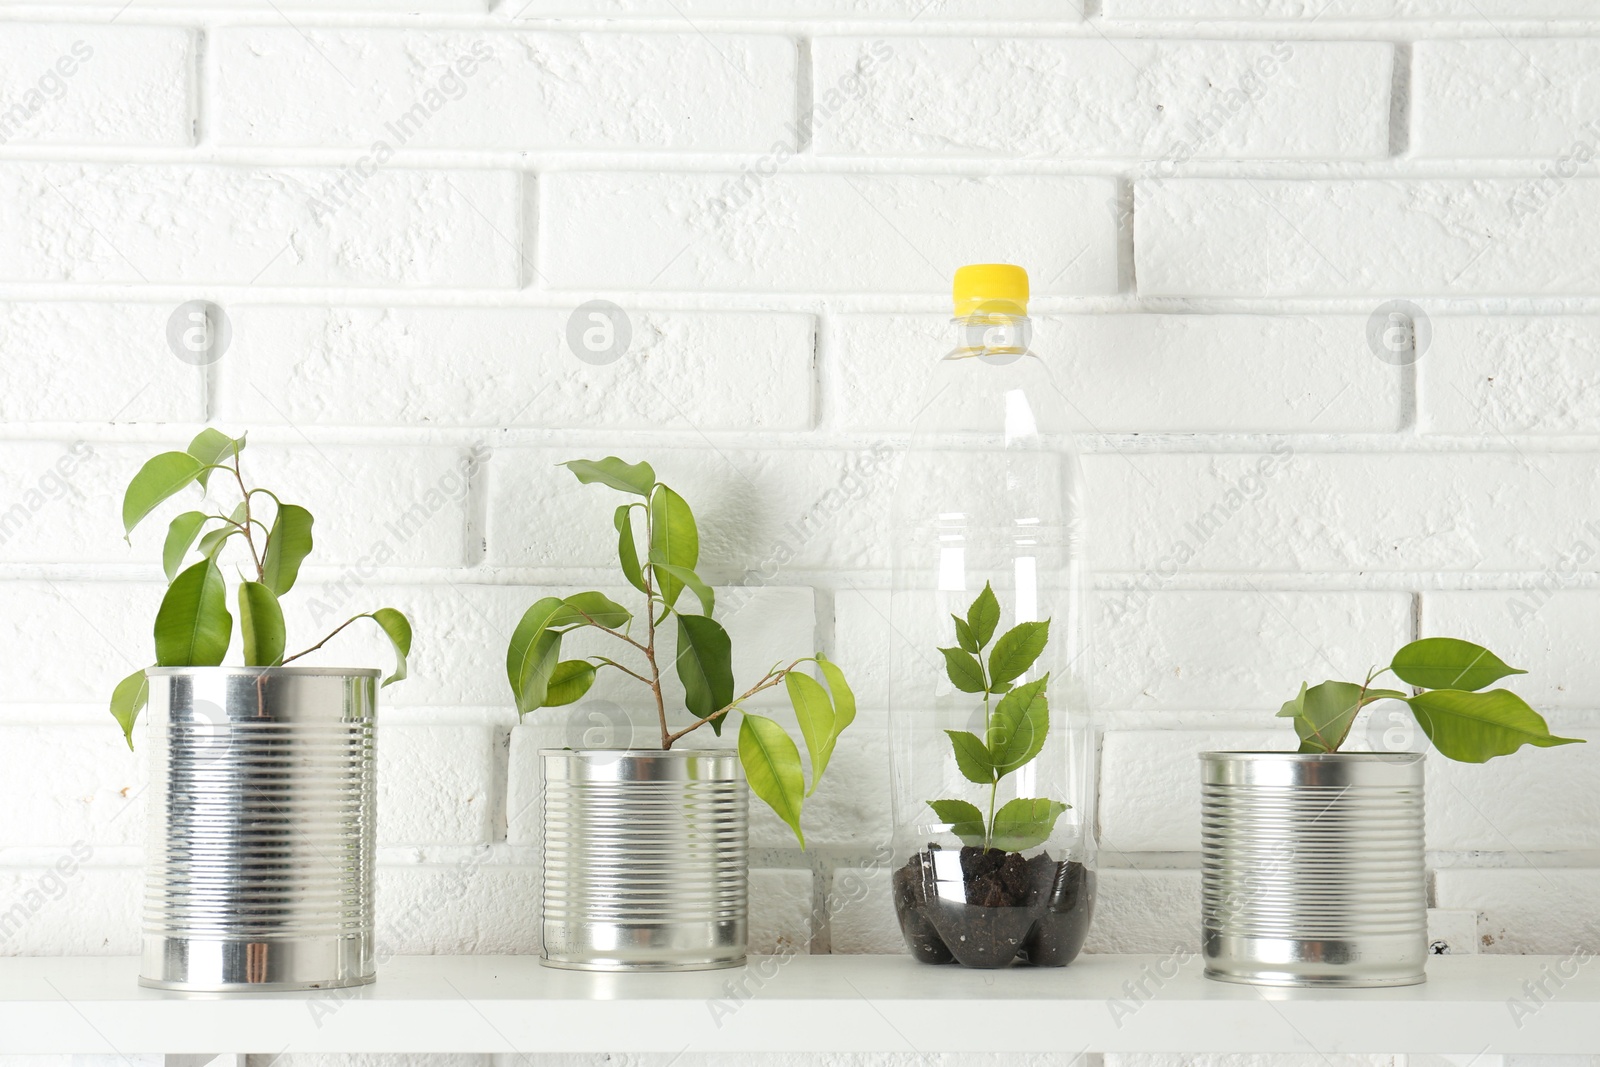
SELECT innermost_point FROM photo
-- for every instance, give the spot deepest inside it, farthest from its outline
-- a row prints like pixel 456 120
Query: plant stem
pixel 261 571
pixel 650 623
pixel 324 641
pixel 772 679
pixel 988 829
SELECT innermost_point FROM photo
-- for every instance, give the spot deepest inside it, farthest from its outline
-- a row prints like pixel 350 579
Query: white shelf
pixel 810 1003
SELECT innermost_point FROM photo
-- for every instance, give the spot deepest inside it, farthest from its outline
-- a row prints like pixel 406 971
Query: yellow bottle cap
pixel 999 288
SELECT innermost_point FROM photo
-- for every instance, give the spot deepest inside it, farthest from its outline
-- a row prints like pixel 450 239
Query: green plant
pixel 540 678
pixel 1014 731
pixel 1446 674
pixel 193 626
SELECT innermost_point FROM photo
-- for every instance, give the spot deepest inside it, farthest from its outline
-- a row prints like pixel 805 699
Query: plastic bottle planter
pixel 991 739
pixel 259 874
pixel 1312 868
pixel 646 860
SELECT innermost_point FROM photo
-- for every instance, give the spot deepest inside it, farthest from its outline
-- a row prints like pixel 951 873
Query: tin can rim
pixel 305 672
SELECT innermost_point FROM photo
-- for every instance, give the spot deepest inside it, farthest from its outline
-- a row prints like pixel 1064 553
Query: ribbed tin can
pixel 646 860
pixel 258 874
pixel 1312 868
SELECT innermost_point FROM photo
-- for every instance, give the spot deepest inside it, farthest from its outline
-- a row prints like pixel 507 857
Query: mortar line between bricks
pixel 1374 29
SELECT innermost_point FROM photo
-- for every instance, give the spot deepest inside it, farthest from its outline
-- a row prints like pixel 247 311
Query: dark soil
pixel 1005 909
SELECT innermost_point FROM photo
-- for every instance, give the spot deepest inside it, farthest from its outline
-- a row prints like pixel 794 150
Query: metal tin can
pixel 1312 868
pixel 646 860
pixel 258 874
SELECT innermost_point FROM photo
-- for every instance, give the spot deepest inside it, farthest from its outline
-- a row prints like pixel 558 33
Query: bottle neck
pixel 991 333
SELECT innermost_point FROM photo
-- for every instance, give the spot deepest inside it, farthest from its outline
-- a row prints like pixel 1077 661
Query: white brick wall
pixel 1212 197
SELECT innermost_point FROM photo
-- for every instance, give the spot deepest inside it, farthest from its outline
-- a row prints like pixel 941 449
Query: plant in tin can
pixel 1447 676
pixel 193 626
pixel 660 522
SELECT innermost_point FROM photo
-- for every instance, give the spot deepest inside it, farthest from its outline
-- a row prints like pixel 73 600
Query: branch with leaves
pixel 1014 732
pixel 702 653
pixel 1446 675
pixel 193 626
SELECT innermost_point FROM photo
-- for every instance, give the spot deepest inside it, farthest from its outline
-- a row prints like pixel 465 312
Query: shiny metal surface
pixel 262 815
pixel 1312 868
pixel 645 860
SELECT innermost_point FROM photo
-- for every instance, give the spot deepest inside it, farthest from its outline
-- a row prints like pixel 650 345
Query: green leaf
pixel 288 544
pixel 581 609
pixel 157 480
pixel 397 627
pixel 965 820
pixel 193 626
pixel 966 674
pixel 844 698
pixel 964 636
pixel 673 539
pixel 1446 663
pixel 1294 708
pixel 627 550
pixel 211 544
pixel 180 538
pixel 972 757
pixel 128 700
pixel 772 766
pixel 1329 710
pixel 705 666
pixel 1018 726
pixel 635 478
pixel 211 447
pixel 532 656
pixel 708 599
pixel 260 625
pixel 1476 727
pixel 1016 650
pixel 568 682
pixel 814 711
pixel 983 616
pixel 1024 823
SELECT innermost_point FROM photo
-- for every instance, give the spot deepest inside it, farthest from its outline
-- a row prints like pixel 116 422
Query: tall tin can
pixel 646 860
pixel 1312 868
pixel 259 872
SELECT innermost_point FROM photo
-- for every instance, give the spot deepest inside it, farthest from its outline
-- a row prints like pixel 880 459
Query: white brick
pixel 1218 1059
pixel 1533 800
pixel 515 367
pixel 98 633
pixel 74 362
pixel 1080 98
pixel 93 85
pixel 862 912
pixel 1497 99
pixel 1146 911
pixel 1150 782
pixel 780 911
pixel 1532 629
pixel 833 233
pixel 1549 911
pixel 1512 375
pixel 1477 12
pixel 85 786
pixel 435 784
pixel 248 225
pixel 470 907
pixel 925 11
pixel 464 89
pixel 1317 238
pixel 369 1059
pixel 1305 512
pixel 759 513
pixel 64 907
pixel 1140 373
pixel 62 500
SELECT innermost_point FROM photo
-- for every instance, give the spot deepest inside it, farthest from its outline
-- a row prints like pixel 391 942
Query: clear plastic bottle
pixel 994 823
